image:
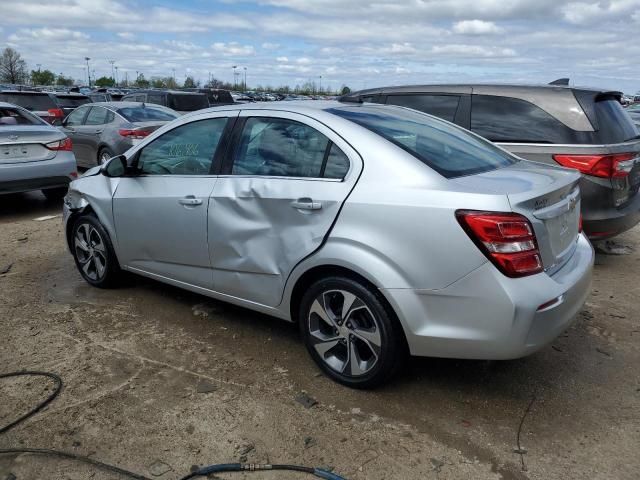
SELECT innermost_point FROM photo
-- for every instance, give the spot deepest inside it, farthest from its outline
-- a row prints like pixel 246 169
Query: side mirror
pixel 115 167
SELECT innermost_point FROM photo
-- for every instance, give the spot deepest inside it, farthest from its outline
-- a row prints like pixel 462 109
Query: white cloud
pixel 303 61
pixel 476 27
pixel 282 59
pixel 270 46
pixel 48 35
pixel 233 49
pixel 472 51
pixel 126 35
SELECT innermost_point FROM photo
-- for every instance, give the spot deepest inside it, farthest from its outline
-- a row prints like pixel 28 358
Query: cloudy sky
pixel 354 42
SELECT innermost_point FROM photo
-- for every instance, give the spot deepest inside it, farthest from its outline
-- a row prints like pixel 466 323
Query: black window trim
pixel 227 163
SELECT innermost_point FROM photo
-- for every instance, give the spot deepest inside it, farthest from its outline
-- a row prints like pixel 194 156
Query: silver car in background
pixel 100 131
pixel 33 154
pixel 378 229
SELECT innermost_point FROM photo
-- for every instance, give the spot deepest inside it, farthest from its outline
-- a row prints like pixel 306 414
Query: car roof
pixel 506 87
pixel 172 92
pixel 24 92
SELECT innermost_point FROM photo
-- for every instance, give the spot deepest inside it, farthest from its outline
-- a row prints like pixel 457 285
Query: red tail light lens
pixel 135 134
pixel 56 112
pixel 507 239
pixel 606 166
pixel 64 145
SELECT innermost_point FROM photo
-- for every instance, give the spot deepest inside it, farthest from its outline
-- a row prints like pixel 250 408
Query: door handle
pixel 190 200
pixel 306 204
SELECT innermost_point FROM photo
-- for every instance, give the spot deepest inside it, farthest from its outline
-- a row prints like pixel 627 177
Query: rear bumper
pixel 24 177
pixel 486 315
pixel 600 218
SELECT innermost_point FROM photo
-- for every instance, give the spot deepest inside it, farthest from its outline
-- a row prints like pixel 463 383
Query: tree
pixel 64 81
pixel 105 82
pixel 345 90
pixel 189 82
pixel 13 69
pixel 157 82
pixel 42 77
pixel 141 81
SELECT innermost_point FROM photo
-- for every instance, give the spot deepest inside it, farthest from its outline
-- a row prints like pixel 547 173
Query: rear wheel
pixel 55 194
pixel 93 252
pixel 104 155
pixel 350 332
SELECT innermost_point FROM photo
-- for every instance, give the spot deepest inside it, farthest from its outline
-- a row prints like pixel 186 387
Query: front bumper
pixel 27 176
pixel 486 315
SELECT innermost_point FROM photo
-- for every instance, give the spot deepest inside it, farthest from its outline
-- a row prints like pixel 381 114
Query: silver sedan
pixel 33 154
pixel 380 230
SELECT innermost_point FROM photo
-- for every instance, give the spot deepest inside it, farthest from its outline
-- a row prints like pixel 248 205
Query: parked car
pixel 98 97
pixel 33 154
pixel 378 229
pixel 100 131
pixel 40 103
pixel 634 113
pixel 181 102
pixel 70 101
pixel 216 96
pixel 579 128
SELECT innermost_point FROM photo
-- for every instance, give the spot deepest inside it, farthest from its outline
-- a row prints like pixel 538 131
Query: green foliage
pixel 105 82
pixel 13 69
pixel 42 77
pixel 345 90
pixel 189 82
pixel 64 81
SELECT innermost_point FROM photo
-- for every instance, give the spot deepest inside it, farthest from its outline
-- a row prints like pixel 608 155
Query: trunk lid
pixel 26 143
pixel 548 196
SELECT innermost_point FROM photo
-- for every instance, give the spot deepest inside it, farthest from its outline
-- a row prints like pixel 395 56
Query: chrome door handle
pixel 190 200
pixel 306 204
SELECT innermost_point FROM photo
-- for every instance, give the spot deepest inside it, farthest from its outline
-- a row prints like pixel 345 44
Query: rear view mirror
pixel 115 167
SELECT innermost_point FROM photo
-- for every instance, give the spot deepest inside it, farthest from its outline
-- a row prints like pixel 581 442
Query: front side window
pixel 443 106
pixel 280 147
pixel 75 118
pixel 186 150
pixel 446 148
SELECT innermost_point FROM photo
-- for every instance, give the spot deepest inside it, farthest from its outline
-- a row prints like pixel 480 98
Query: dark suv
pixel 39 103
pixel 181 102
pixel 582 128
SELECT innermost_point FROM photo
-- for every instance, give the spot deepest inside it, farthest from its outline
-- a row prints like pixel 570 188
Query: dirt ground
pixel 157 380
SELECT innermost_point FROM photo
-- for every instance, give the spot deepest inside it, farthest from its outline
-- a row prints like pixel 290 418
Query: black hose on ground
pixel 218 468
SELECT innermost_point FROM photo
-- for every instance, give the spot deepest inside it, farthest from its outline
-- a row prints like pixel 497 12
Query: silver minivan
pixel 380 230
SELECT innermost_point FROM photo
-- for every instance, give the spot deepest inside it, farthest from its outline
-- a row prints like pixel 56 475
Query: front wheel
pixel 350 332
pixel 104 155
pixel 93 252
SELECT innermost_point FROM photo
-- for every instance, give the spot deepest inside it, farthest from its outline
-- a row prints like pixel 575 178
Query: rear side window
pixel 29 101
pixel 155 98
pixel 614 125
pixel 506 119
pixel 281 147
pixel 97 116
pixel 71 102
pixel 443 106
pixel 446 148
pixel 187 103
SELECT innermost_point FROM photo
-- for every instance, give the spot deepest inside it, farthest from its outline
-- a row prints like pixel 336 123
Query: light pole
pixel 88 71
pixel 245 79
pixel 113 75
pixel 320 84
pixel 174 76
pixel 137 77
pixel 234 77
pixel 116 79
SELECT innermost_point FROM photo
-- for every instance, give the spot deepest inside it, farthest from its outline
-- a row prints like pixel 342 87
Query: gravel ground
pixel 158 379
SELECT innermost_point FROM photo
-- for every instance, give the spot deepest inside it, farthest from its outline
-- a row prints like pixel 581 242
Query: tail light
pixel 133 133
pixel 507 239
pixel 61 145
pixel 606 166
pixel 56 112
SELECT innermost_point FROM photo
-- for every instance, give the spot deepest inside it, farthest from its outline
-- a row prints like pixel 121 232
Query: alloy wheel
pixel 104 156
pixel 90 251
pixel 344 332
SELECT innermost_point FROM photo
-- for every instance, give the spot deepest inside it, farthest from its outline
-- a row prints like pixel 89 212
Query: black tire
pixel 369 316
pixel 55 194
pixel 104 154
pixel 98 252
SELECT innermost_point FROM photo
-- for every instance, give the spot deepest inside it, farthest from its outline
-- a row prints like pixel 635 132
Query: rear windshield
pixel 147 114
pixel 16 116
pixel 71 102
pixel 448 149
pixel 187 103
pixel 30 101
pixel 614 124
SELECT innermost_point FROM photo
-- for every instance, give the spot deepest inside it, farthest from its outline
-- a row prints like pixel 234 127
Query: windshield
pixel 187 103
pixel 29 101
pixel 17 116
pixel 448 149
pixel 148 114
